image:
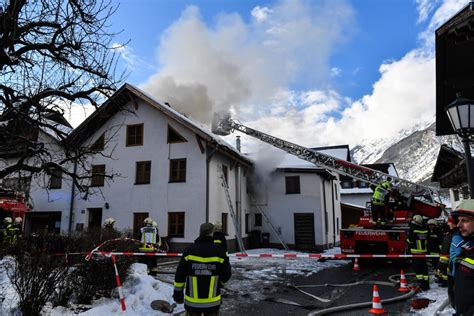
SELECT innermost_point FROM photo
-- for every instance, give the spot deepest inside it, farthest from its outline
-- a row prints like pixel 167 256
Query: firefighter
pixel 203 269
pixel 162 245
pixel 444 265
pixel 7 223
pixel 464 262
pixel 418 243
pixel 435 239
pixel 219 236
pixel 379 200
pixel 108 231
pixel 150 241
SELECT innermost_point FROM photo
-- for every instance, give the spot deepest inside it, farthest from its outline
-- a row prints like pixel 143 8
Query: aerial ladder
pixel 223 125
pixel 238 234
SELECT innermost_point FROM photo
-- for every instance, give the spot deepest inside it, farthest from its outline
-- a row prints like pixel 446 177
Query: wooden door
pixel 138 223
pixel 304 230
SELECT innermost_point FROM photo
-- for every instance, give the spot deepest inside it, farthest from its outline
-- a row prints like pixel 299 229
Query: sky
pixel 317 73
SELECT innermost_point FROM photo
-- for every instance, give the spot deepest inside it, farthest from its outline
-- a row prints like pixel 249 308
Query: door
pixel 95 218
pixel 138 223
pixel 304 230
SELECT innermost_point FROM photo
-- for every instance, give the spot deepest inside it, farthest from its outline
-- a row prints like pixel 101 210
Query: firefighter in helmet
pixel 150 242
pixel 435 238
pixel 109 232
pixel 444 264
pixel 203 269
pixel 219 236
pixel 379 200
pixel 7 221
pixel 418 245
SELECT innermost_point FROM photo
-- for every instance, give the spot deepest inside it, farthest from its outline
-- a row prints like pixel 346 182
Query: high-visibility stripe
pixel 178 284
pixel 217 241
pixel 203 300
pixel 204 259
pixel 211 286
pixel 195 287
pixel 467 262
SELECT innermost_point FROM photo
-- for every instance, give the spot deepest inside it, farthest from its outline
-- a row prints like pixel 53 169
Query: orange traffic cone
pixel 356 265
pixel 403 283
pixel 376 304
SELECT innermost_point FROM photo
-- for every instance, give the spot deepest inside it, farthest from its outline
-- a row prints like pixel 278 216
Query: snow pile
pixel 139 290
pixel 437 295
pixel 8 296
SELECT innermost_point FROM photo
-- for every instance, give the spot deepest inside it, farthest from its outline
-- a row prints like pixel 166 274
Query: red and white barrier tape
pixel 271 255
pixel 119 285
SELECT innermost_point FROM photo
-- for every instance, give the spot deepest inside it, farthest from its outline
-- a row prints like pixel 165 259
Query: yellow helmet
pixel 7 220
pixel 148 221
pixel 109 221
pixel 417 219
pixel 217 226
pixel 18 220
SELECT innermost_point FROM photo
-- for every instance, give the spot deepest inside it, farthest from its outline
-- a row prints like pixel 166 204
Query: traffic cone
pixel 356 265
pixel 376 304
pixel 403 283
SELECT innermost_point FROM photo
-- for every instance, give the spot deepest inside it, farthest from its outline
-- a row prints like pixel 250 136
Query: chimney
pixel 237 143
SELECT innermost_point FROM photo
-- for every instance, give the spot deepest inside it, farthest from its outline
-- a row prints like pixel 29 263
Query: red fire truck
pixel 13 204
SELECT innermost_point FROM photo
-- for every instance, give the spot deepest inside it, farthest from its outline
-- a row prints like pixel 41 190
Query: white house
pixel 164 166
pixel 302 202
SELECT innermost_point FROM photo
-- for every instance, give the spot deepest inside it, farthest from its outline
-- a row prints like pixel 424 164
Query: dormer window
pixel 174 136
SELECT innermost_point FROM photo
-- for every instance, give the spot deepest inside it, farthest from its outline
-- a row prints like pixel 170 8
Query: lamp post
pixel 461 115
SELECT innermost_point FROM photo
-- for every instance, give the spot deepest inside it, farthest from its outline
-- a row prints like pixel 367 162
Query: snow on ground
pixel 249 274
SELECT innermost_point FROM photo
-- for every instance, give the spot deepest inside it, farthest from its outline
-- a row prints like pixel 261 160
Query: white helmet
pixel 432 221
pixel 417 219
pixel 18 220
pixel 109 221
pixel 148 221
pixel 7 220
pixel 217 226
pixel 154 224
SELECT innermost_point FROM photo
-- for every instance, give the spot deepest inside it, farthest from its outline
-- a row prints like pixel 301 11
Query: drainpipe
pixel 71 204
pixel 238 192
pixel 208 161
pixel 325 215
pixel 333 215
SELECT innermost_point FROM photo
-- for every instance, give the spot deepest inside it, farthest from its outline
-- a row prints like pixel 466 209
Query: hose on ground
pixel 441 307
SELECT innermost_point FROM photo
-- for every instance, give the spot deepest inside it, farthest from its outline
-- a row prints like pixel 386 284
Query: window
pixel 174 136
pixel 176 224
pixel 143 172
pixel 135 135
pixel 363 184
pixel 292 185
pixel 225 171
pixel 98 175
pixel 224 223
pixel 258 219
pixel 55 180
pixel 178 170
pixel 99 143
pixel 346 184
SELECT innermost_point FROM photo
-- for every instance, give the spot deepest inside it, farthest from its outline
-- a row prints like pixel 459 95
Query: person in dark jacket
pixel 464 262
pixel 418 245
pixel 203 269
pixel 219 236
pixel 435 238
pixel 444 272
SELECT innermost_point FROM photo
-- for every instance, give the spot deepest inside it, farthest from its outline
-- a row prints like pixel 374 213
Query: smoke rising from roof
pixel 209 68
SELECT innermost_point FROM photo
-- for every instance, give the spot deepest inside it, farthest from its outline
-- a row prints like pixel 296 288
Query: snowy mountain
pixel 414 152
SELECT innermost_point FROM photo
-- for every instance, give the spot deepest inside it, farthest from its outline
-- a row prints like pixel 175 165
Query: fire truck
pixel 366 237
pixel 13 204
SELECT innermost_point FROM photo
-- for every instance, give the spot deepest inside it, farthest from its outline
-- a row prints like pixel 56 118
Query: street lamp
pixel 461 115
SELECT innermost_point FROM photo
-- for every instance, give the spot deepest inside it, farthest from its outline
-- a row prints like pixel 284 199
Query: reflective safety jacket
pixel 203 269
pixel 11 234
pixel 418 239
pixel 219 239
pixel 379 196
pixel 444 253
pixel 435 238
pixel 464 280
pixel 150 239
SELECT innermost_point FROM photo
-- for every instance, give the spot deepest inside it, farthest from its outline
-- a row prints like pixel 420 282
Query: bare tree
pixel 54 54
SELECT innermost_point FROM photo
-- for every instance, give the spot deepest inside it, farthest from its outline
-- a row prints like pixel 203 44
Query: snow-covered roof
pixel 122 96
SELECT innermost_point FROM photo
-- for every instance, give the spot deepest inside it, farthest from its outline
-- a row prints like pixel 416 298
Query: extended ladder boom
pixel 224 125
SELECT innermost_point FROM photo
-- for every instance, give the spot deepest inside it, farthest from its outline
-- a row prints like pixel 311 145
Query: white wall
pixel 159 197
